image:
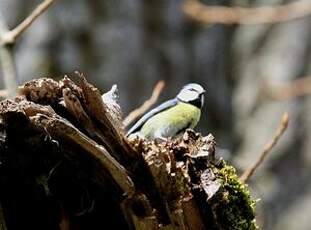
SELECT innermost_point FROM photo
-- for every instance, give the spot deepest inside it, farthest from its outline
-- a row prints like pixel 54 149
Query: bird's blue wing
pixel 164 106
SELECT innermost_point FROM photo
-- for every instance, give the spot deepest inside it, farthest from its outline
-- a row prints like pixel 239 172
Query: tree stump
pixel 65 163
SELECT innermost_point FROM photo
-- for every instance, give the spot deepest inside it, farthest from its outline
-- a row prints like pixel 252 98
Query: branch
pixel 247 16
pixel 297 88
pixel 11 36
pixel 7 39
pixel 7 62
pixel 146 105
pixel 267 149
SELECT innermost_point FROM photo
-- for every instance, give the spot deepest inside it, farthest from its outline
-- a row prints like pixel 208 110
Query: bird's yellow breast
pixel 172 121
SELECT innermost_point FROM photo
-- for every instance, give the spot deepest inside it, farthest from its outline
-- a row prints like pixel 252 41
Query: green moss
pixel 233 206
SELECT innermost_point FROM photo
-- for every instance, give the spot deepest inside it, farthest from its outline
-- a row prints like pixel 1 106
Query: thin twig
pixel 7 62
pixel 267 149
pixel 247 16
pixel 11 36
pixel 297 88
pixel 146 105
pixel 7 40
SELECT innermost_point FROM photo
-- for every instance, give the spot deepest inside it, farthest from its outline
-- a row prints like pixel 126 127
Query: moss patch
pixel 232 206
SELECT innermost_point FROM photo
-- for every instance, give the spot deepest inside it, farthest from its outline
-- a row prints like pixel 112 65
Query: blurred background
pixel 253 74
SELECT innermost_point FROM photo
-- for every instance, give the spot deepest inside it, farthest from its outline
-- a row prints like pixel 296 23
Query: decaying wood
pixel 73 139
pixel 59 128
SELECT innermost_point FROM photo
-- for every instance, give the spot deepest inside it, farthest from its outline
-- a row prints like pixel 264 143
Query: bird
pixel 173 117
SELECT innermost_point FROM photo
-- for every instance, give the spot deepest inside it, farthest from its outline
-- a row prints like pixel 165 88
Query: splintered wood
pixel 67 129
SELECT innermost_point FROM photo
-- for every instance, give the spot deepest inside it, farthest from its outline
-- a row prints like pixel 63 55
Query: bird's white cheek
pixel 188 95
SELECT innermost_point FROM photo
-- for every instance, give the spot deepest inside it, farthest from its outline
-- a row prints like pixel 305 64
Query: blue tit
pixel 172 117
